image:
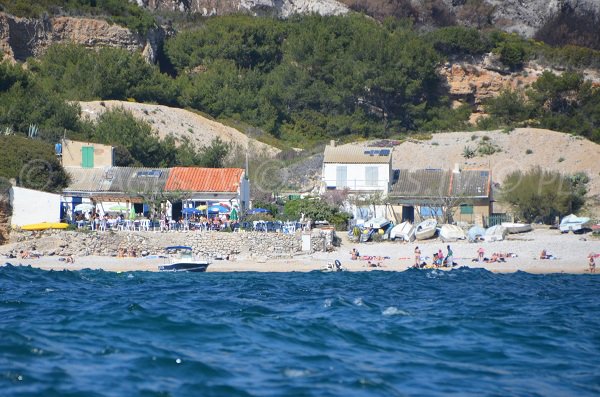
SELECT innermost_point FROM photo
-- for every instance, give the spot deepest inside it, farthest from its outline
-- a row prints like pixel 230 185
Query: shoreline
pixel 571 252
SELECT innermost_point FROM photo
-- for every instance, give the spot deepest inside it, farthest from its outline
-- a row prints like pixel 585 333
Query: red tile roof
pixel 195 179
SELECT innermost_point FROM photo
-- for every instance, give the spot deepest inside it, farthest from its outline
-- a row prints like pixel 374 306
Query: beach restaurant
pixel 145 191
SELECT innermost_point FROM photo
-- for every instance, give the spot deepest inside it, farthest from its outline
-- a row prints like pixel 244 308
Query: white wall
pixel 355 176
pixel 32 206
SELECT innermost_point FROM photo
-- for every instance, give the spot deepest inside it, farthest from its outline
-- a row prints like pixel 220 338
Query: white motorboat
pixel 426 229
pixel 404 231
pixel 377 223
pixel 573 223
pixel 181 259
pixel 512 227
pixel 452 233
pixel 495 233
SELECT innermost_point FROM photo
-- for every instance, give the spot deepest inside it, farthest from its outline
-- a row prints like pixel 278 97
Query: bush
pixel 459 40
pixel 32 163
pixel 541 195
pixel 316 210
pixel 487 148
pixel 468 152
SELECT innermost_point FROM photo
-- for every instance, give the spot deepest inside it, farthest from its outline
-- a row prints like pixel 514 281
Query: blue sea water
pixel 414 333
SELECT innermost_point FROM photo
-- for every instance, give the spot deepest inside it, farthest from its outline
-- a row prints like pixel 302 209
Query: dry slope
pixel 520 149
pixel 180 123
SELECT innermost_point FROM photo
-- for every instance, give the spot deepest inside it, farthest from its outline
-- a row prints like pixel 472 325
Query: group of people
pixel 372 261
pixel 495 257
pixel 438 260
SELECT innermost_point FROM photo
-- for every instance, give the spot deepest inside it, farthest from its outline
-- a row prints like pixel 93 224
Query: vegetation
pixel 562 103
pixel 121 12
pixel 540 195
pixel 31 163
pixel 299 81
pixel 316 209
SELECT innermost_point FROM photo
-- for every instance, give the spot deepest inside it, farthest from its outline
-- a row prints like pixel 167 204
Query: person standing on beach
pixel 480 253
pixel 449 256
pixel 592 263
pixel 417 256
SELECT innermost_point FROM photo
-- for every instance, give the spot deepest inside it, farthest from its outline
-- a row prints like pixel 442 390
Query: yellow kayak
pixel 45 225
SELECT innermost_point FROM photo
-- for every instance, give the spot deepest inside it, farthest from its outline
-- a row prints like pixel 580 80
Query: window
pixel 341 176
pixel 371 176
pixel 466 209
pixel 431 211
pixel 87 157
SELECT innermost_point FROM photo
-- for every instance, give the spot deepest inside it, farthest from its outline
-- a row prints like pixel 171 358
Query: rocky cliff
pixel 526 17
pixel 21 38
pixel 280 8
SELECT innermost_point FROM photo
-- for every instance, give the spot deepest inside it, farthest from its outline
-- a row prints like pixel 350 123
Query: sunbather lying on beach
pixel 373 258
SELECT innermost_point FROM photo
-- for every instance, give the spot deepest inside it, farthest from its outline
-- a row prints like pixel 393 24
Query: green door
pixel 87 157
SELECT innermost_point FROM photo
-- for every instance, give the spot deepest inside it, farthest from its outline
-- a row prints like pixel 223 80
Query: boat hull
pixel 404 231
pixel 425 230
pixel 195 267
pixel 452 233
pixel 573 223
pixel 513 228
pixel 45 226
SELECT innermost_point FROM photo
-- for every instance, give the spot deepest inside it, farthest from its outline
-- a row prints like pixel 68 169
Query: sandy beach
pixel 570 250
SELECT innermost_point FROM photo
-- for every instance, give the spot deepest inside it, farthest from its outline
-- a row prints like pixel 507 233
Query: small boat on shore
pixel 45 226
pixel 495 233
pixel 404 231
pixel 513 228
pixel 573 223
pixel 426 229
pixel 182 259
pixel 452 233
pixel 476 233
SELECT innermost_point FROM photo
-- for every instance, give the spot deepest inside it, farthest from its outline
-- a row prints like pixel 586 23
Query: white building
pixel 33 206
pixel 361 171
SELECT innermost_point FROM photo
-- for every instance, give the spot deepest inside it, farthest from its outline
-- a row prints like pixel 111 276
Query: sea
pixel 463 332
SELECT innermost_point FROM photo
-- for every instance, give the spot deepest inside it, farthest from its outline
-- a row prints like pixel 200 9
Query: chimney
pixel 456 169
pixel 332 143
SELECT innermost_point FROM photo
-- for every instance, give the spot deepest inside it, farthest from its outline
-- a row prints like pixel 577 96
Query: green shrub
pixel 541 195
pixel 459 40
pixel 487 148
pixel 32 163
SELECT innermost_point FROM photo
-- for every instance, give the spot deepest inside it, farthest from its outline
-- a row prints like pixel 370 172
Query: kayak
pixel 45 226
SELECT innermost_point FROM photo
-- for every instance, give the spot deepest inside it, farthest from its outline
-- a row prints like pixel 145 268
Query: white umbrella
pixel 84 207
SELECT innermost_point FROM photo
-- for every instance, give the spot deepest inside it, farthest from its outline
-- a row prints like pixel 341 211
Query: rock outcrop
pixel 5 212
pixel 279 8
pixel 473 83
pixel 527 17
pixel 21 38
